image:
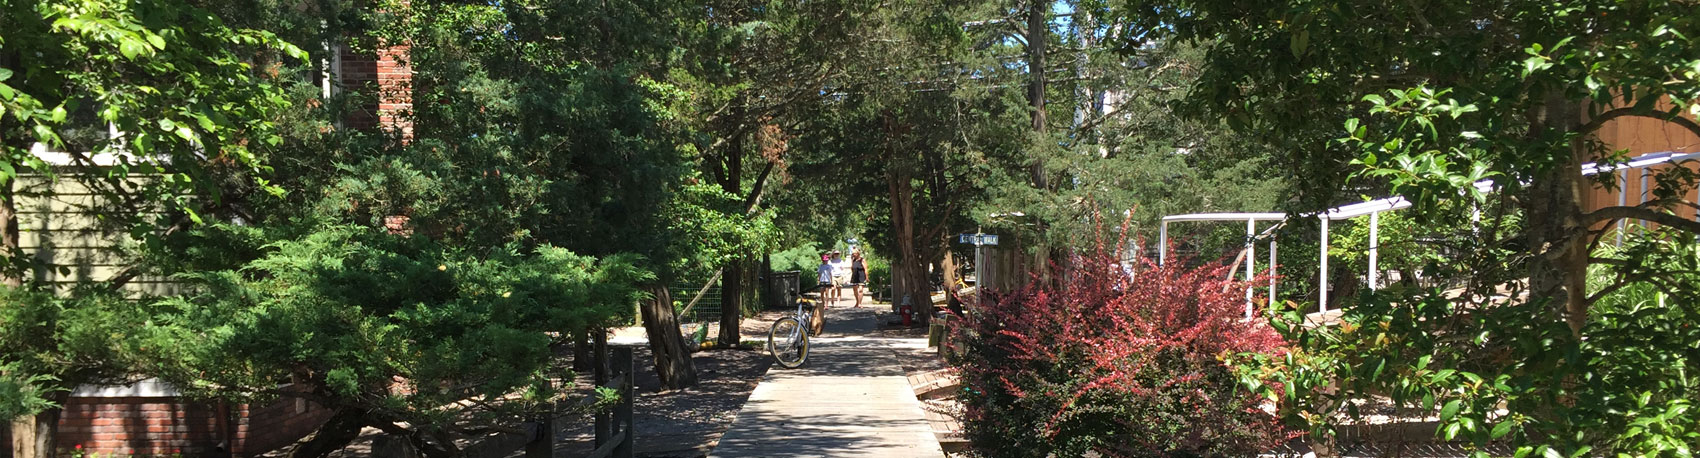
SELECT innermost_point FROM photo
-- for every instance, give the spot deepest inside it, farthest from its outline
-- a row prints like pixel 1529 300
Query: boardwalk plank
pixel 852 400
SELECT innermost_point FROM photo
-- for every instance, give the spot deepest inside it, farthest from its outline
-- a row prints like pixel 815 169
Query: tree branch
pixel 1626 280
pixel 1607 261
pixel 1621 283
pixel 1644 214
pixel 124 277
pixel 754 199
pixel 1672 116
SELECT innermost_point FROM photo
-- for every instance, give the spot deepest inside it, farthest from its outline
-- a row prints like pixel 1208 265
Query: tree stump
pixel 393 446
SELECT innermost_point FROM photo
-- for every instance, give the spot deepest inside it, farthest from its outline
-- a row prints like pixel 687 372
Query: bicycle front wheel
pixel 788 342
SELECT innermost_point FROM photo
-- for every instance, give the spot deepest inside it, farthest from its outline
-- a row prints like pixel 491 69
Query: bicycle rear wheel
pixel 788 342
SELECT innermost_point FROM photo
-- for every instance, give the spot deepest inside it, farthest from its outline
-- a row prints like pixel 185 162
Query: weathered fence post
pixel 604 420
pixel 542 444
pixel 393 446
pixel 623 413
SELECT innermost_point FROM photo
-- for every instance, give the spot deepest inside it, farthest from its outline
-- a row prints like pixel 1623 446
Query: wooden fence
pixel 613 369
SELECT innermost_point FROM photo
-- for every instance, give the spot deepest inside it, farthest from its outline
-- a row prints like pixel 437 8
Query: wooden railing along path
pixel 614 435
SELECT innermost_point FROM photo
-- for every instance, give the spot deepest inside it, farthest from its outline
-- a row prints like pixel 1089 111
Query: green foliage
pixel 1396 245
pixel 428 262
pixel 879 271
pixel 1424 100
pixel 1431 96
pixel 194 100
pixel 1129 148
pixel 1622 388
pixel 22 393
pixel 350 311
pixel 173 78
pixel 804 258
pixel 704 222
pixel 50 342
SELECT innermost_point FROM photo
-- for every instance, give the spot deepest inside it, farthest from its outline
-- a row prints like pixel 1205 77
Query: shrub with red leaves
pixel 1122 364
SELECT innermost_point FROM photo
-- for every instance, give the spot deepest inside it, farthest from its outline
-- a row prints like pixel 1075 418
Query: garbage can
pixel 785 288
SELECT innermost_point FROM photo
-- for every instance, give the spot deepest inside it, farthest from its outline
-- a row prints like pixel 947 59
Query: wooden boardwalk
pixel 852 399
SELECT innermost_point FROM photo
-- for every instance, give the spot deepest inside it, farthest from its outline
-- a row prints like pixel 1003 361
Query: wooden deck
pixel 852 399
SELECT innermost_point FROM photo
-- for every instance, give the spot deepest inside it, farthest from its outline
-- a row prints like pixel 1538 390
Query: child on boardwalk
pixel 824 278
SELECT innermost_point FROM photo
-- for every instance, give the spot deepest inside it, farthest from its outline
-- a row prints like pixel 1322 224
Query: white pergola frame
pixel 1251 220
pixel 1374 208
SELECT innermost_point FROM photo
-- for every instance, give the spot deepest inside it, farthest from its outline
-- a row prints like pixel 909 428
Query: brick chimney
pixel 387 74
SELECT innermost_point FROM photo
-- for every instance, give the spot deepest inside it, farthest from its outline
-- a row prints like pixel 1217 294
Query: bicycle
pixel 788 339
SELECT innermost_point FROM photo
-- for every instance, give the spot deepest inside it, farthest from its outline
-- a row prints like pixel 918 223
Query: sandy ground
pixel 682 423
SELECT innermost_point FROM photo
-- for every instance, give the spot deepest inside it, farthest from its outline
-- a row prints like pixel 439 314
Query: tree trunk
pixel 343 427
pixel 9 237
pixel 672 359
pixel 752 279
pixel 908 271
pixel 769 295
pixel 581 352
pixel 34 436
pixel 23 437
pixel 1558 271
pixel 731 301
pixel 732 273
pixel 1037 33
pixel 1557 238
pixel 952 280
pixel 395 446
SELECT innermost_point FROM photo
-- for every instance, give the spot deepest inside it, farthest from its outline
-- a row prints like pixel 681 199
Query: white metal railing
pixel 1374 208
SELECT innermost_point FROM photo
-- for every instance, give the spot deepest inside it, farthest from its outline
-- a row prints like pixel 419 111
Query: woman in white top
pixel 823 276
pixel 840 274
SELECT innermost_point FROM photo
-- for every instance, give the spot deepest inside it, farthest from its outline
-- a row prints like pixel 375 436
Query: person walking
pixel 858 274
pixel 840 274
pixel 825 278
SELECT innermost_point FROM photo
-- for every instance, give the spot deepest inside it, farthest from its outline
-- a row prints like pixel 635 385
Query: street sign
pixel 988 239
pixel 977 239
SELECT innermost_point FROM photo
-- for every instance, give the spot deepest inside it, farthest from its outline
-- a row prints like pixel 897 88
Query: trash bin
pixel 785 287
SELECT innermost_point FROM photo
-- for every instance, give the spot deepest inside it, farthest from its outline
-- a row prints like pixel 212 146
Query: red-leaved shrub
pixel 1098 359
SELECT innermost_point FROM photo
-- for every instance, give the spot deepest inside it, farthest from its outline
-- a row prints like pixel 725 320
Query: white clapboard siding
pixel 68 242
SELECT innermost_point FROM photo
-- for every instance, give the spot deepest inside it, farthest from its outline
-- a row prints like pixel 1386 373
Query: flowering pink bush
pixel 1123 364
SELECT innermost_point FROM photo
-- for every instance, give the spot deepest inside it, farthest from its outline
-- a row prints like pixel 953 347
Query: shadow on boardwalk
pixel 827 434
pixel 852 399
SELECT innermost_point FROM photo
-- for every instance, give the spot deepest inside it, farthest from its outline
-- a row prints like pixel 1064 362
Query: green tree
pixel 390 332
pixel 568 125
pixel 192 105
pixel 418 260
pixel 1439 96
pixel 1426 99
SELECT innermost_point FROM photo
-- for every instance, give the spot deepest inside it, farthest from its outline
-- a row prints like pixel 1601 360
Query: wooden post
pixel 542 444
pixel 623 413
pixel 581 350
pixel 398 446
pixel 604 421
pixel 23 437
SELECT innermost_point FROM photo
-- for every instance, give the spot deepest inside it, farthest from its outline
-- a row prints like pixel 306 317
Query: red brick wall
pixel 164 425
pixel 266 428
pixel 155 426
